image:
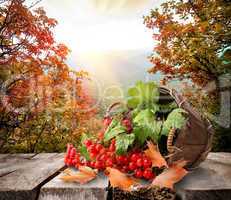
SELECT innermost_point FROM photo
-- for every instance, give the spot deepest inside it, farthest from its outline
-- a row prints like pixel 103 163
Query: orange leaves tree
pixel 193 43
pixel 43 104
pixel 190 35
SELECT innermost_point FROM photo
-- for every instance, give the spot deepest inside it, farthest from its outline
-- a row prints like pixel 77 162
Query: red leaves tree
pixel 43 105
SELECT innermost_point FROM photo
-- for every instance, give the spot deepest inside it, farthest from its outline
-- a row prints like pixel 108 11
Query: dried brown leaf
pixel 85 175
pixel 119 179
pixel 154 154
pixel 171 175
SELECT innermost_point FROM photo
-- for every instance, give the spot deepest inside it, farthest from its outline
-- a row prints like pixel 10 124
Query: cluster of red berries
pixel 72 158
pixel 135 162
pixel 101 157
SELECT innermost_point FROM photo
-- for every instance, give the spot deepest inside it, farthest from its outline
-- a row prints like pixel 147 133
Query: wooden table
pixel 22 175
pixel 32 177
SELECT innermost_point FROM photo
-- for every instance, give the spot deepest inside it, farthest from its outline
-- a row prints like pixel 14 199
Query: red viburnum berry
pixel 88 143
pixel 69 147
pixel 124 169
pixel 92 149
pixel 138 173
pixel 148 174
pixel 101 135
pixel 98 147
pixel 93 155
pixel 139 162
pixel 73 153
pixel 112 148
pixel 107 121
pixel 135 156
pixel 109 162
pixel 147 163
pixel 132 166
pixel 128 124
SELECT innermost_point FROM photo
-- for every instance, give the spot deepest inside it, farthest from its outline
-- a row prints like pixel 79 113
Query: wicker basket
pixel 194 141
pixel 144 193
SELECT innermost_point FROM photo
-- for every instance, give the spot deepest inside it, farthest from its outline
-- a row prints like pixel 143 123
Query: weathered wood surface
pixel 56 189
pixel 210 181
pixel 21 175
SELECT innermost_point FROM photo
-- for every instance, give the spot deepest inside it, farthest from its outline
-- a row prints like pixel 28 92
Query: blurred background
pixel 107 38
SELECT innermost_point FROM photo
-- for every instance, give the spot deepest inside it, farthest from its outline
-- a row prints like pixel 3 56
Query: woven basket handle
pixel 109 109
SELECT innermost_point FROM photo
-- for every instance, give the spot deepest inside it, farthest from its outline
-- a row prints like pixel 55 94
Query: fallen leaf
pixel 67 171
pixel 84 175
pixel 88 170
pixel 154 154
pixel 171 175
pixel 119 179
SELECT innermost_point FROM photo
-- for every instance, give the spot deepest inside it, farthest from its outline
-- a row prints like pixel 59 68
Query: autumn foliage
pixel 190 35
pixel 192 44
pixel 43 104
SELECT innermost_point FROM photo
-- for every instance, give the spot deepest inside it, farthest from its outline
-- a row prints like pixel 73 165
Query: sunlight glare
pixel 115 35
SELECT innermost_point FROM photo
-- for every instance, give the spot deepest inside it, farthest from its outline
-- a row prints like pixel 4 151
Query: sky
pixel 106 37
pixel 101 25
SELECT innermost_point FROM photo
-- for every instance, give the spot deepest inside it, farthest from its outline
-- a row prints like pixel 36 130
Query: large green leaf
pixel 113 130
pixel 154 130
pixel 143 95
pixel 143 116
pixel 146 131
pixel 123 141
pixel 176 119
pixel 146 126
pixel 141 134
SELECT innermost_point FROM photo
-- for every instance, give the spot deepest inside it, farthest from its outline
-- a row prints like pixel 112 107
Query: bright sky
pixel 101 25
pixel 107 37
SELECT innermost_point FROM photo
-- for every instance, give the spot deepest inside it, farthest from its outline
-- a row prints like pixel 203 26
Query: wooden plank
pixel 212 180
pixel 3 155
pixel 21 175
pixel 220 157
pixel 56 189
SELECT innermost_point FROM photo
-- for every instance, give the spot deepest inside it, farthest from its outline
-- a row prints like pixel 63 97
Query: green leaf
pixel 148 131
pixel 143 95
pixel 135 112
pixel 146 126
pixel 176 119
pixel 113 123
pixel 123 141
pixel 113 130
pixel 141 134
pixel 154 130
pixel 166 108
pixel 84 152
pixel 143 116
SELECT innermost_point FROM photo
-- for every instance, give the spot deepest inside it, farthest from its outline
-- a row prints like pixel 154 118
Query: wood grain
pixel 210 181
pixel 21 175
pixel 56 189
